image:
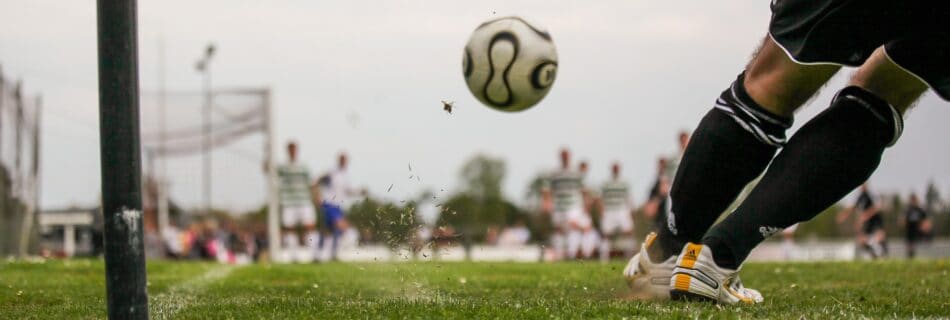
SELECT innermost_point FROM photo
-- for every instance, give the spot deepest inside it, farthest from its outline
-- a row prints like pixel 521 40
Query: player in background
pixel 914 221
pixel 900 47
pixel 673 161
pixel 616 210
pixel 296 204
pixel 656 206
pixel 336 192
pixel 788 241
pixel 870 234
pixel 562 199
pixel 582 236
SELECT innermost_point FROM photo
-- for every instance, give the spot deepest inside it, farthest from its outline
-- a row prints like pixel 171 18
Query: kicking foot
pixel 697 277
pixel 649 280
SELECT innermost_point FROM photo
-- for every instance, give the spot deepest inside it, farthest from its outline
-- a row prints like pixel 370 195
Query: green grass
pixel 75 289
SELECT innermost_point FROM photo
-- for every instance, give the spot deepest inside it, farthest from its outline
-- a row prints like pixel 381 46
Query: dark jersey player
pixel 900 48
pixel 915 222
pixel 870 234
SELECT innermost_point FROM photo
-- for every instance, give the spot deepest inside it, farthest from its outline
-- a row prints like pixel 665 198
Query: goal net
pixel 196 159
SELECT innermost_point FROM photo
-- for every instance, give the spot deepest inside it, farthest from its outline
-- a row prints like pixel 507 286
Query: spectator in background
pixel 914 220
pixel 515 235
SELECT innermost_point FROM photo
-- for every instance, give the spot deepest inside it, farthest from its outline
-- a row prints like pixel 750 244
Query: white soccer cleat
pixel 646 279
pixel 697 277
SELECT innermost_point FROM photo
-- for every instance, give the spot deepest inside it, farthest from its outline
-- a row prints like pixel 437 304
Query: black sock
pixel 827 158
pixel 731 146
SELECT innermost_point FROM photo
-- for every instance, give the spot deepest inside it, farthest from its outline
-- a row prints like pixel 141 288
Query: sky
pixel 366 77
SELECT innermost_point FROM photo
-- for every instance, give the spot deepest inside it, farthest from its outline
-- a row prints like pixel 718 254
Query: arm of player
pixel 843 214
pixel 547 203
pixel 315 195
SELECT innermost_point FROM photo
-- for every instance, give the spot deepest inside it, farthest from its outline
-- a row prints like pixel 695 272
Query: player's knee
pixel 885 115
pixel 887 80
pixel 781 85
pixel 766 126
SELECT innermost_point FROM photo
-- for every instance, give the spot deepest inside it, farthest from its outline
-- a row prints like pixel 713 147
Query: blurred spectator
pixel 515 235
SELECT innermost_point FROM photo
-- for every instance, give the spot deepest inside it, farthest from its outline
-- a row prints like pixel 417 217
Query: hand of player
pixel 842 216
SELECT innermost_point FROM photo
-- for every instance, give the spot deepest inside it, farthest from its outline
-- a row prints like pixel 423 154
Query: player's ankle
pixel 722 254
pixel 665 246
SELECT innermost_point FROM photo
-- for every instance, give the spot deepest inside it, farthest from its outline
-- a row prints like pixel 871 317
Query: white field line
pixel 184 294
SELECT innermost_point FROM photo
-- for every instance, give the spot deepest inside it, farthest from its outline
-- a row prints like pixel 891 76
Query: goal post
pixel 120 157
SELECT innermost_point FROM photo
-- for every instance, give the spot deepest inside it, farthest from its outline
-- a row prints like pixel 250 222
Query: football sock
pixel 290 239
pixel 313 240
pixel 732 145
pixel 826 159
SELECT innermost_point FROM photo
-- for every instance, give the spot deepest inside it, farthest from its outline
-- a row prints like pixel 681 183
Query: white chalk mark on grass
pixel 184 294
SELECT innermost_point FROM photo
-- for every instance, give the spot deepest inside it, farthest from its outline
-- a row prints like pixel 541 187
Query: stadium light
pixel 120 159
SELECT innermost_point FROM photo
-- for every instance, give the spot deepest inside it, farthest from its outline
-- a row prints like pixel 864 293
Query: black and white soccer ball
pixel 509 63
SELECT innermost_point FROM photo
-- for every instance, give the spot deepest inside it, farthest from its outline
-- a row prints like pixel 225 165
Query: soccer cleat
pixel 697 277
pixel 646 279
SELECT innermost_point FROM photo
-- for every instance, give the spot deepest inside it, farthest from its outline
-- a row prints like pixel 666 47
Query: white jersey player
pixel 562 197
pixel 616 209
pixel 296 202
pixel 336 191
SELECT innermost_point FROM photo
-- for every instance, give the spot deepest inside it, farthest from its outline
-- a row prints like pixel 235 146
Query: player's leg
pixel 288 223
pixel 311 238
pixel 827 158
pixel 735 141
pixel 832 154
pixel 609 234
pixel 334 217
pixel 589 242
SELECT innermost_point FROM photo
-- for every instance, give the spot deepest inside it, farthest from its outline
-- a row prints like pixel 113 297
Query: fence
pixel 19 168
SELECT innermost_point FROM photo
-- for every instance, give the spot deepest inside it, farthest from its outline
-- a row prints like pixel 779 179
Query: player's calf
pixel 732 145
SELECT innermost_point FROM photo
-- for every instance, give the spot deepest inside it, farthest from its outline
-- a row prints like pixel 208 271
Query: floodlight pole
pixel 120 156
pixel 163 169
pixel 204 66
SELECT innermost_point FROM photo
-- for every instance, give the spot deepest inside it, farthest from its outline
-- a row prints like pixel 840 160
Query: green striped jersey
pixel 566 188
pixel 615 195
pixel 294 184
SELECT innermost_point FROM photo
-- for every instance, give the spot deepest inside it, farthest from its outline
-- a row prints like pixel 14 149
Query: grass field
pixel 75 289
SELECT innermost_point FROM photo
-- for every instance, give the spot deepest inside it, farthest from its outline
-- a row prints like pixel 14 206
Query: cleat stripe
pixel 681 282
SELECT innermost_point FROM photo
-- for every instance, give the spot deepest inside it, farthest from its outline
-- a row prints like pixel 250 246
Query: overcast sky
pixel 367 77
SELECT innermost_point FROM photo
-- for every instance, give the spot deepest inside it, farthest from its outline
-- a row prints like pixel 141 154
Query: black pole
pixel 120 160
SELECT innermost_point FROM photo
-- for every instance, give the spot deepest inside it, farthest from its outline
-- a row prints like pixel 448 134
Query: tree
pixel 932 198
pixel 481 203
pixel 482 177
pixel 387 223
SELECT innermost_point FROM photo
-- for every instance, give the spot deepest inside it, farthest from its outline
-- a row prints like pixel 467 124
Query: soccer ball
pixel 509 63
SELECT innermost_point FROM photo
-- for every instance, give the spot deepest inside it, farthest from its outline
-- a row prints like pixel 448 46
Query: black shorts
pixel 873 224
pixel 913 233
pixel 915 34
